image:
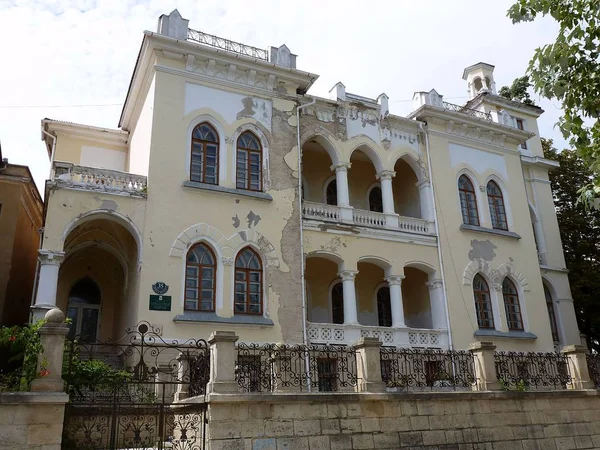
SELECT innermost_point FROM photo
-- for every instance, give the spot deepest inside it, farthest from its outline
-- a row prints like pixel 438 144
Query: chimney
pixel 282 56
pixel 338 92
pixel 173 25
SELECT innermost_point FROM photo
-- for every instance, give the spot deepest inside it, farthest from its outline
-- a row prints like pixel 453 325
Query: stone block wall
pixel 559 420
pixel 31 420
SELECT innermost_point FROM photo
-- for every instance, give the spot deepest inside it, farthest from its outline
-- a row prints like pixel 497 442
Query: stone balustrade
pixel 105 180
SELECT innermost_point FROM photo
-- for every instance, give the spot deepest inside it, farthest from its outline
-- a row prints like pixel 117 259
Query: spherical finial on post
pixel 54 316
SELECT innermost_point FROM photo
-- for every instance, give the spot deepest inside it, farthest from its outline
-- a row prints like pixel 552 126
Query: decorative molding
pixel 434 284
pixel 227 261
pixel 50 257
pixel 341 167
pixel 394 279
pixel 495 276
pixel 348 275
pixel 386 175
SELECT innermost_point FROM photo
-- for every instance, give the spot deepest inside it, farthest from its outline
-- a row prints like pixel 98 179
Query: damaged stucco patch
pixel 252 219
pixel 482 250
pixel 109 205
pixel 334 244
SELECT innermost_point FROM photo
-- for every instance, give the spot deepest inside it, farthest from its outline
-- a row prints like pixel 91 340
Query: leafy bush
pixel 22 346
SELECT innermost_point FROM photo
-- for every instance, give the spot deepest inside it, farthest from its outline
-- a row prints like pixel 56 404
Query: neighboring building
pixel 21 213
pixel 189 216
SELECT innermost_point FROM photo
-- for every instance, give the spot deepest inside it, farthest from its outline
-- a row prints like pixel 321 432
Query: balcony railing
pixel 468 111
pixel 361 217
pixel 331 333
pixel 90 178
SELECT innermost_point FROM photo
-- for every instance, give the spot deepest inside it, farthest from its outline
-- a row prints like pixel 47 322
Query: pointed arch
pixel 368 149
pixel 325 139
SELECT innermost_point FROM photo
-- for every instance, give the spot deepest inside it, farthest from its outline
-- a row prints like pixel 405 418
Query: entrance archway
pixel 85 300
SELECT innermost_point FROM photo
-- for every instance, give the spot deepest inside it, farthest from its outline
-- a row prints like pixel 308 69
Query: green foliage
pixel 518 91
pixel 22 344
pixel 580 235
pixel 569 70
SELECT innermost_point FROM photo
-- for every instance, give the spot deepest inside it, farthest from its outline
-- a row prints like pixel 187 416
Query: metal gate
pixel 140 392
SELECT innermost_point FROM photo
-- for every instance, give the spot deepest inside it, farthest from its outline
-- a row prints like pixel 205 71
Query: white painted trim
pixel 219 127
pixel 320 134
pixel 366 146
pixel 219 269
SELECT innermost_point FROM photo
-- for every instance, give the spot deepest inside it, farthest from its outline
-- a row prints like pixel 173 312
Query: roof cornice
pixel 505 103
pixel 539 161
pixel 106 136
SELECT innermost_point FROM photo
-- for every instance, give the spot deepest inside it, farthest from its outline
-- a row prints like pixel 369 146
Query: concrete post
pixel 50 360
pixel 485 368
pixel 350 310
pixel 578 368
pixel 397 305
pixel 45 299
pixel 387 195
pixel 437 303
pixel 426 200
pixel 183 376
pixel 368 365
pixel 343 193
pixel 222 362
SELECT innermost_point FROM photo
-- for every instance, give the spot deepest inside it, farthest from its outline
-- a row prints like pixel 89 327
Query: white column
pixel 45 299
pixel 436 301
pixel 343 193
pixel 395 285
pixel 426 199
pixel 350 310
pixel 387 194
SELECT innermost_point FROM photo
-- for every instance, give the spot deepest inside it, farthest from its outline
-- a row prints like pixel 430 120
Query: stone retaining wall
pixel 559 420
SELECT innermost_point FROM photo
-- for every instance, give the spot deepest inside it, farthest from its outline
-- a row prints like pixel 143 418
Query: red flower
pixel 13 338
pixel 44 372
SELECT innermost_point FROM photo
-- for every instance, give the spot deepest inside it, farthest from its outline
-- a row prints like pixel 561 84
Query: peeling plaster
pixel 252 219
pixel 236 221
pixel 109 205
pixel 334 244
pixel 482 250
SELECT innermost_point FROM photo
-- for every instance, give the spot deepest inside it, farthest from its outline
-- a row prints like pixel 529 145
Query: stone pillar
pixel 343 193
pixel 397 305
pixel 578 368
pixel 350 310
pixel 426 200
pixel 183 376
pixel 437 304
pixel 485 367
pixel 368 365
pixel 222 363
pixel 50 360
pixel 387 195
pixel 45 299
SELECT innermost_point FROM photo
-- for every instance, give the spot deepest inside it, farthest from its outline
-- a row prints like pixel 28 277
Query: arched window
pixel 376 200
pixel 200 276
pixel 84 310
pixel 331 193
pixel 337 303
pixel 248 283
pixel 468 201
pixel 483 303
pixel 204 163
pixel 512 306
pixel 384 307
pixel 496 203
pixel 551 314
pixel 249 162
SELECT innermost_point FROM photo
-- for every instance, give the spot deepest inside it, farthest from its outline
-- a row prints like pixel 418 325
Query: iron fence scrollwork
pixel 468 111
pixel 132 392
pixel 531 370
pixel 593 362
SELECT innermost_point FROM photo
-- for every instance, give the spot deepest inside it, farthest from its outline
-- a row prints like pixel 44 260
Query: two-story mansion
pixel 229 198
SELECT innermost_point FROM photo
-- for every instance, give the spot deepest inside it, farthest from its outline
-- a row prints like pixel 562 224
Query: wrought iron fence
pixel 417 369
pixel 468 111
pixel 226 44
pixel 593 362
pixel 281 367
pixel 524 371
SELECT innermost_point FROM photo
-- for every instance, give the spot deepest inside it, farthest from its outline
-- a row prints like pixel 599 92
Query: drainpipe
pixel 53 152
pixel 437 232
pixel 302 280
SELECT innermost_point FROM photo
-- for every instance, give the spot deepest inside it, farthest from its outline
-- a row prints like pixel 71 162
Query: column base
pixel 391 220
pixel 491 386
pixel 371 386
pixel 48 385
pixel 38 312
pixel 222 387
pixel 346 215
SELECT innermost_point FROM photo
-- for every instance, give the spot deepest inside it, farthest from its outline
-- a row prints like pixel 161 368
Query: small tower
pixel 480 78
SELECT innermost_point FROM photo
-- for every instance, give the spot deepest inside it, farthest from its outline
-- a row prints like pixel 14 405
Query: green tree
pixel 580 234
pixel 569 70
pixel 518 91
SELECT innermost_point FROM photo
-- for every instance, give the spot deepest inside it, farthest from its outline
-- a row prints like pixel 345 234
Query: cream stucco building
pixel 432 230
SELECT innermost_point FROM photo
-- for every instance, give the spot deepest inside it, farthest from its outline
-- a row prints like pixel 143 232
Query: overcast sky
pixel 60 53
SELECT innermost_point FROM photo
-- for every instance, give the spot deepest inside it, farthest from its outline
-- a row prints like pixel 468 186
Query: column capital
pixel 50 257
pixel 421 184
pixel 348 275
pixel 340 167
pixel 394 279
pixel 386 175
pixel 434 284
pixel 222 336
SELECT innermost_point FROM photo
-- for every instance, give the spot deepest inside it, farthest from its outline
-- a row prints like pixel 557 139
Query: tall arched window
pixel 200 276
pixel 483 303
pixel 496 203
pixel 248 283
pixel 249 162
pixel 84 310
pixel 337 303
pixel 204 163
pixel 384 307
pixel 468 201
pixel 376 199
pixel 551 314
pixel 331 193
pixel 512 306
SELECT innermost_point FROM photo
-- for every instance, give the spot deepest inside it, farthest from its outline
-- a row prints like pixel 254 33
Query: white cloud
pixel 74 52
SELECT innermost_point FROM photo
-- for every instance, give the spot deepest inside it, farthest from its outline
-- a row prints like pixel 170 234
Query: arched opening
pixel 361 177
pixel 324 293
pixel 83 310
pixel 101 251
pixel 512 306
pixel 415 296
pixel 331 193
pixel 384 307
pixel 407 201
pixel 483 303
pixel 316 170
pixel 367 284
pixel 478 84
pixel 375 199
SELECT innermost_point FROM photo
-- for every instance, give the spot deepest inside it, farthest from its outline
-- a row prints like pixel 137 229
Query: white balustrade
pixel 414 225
pixel 369 218
pixel 91 178
pixel 330 333
pixel 320 211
